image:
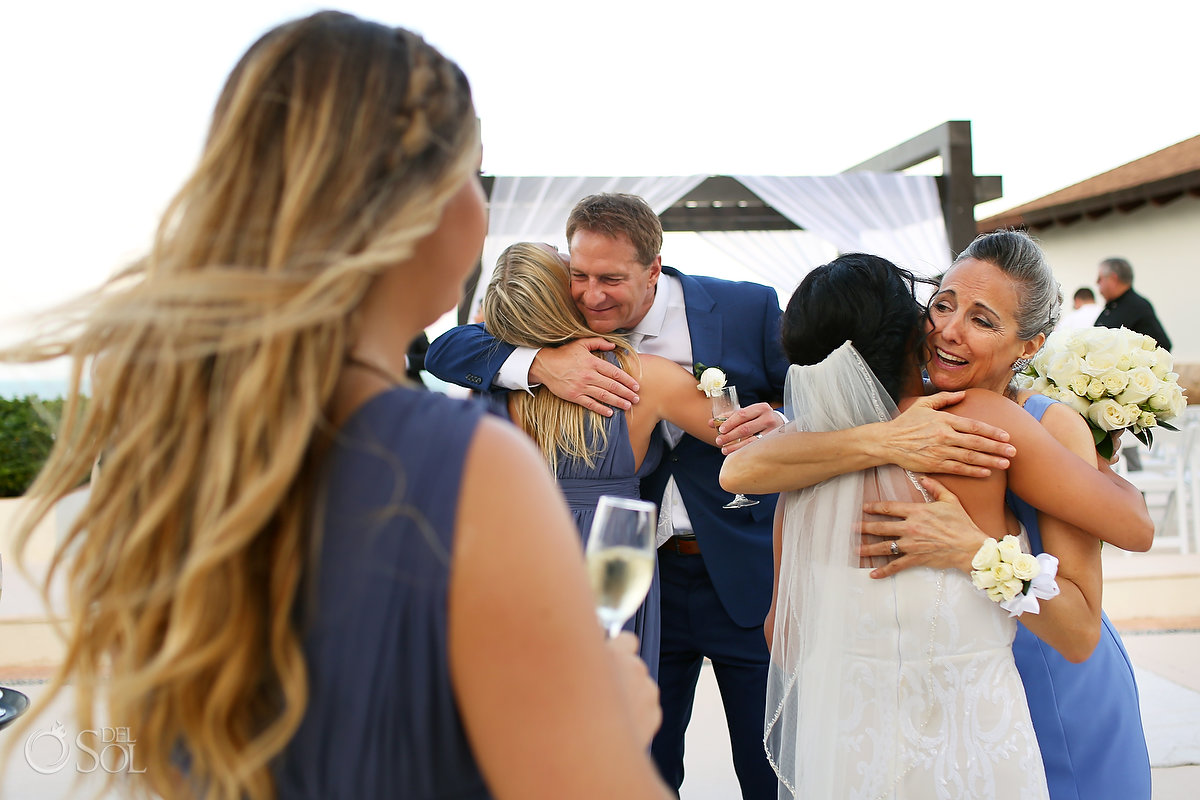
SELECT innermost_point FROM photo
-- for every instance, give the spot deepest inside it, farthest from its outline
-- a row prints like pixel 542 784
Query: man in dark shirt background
pixel 1123 306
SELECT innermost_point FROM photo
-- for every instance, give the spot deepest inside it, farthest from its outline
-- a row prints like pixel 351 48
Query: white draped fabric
pixel 779 259
pixel 888 214
pixel 535 208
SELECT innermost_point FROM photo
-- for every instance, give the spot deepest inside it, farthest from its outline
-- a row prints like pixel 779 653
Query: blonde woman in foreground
pixel 295 576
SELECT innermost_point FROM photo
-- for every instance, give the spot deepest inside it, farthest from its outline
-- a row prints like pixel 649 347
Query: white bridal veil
pixel 837 631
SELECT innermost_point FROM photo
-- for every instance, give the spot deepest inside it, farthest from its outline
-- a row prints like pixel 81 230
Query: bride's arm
pixel 922 439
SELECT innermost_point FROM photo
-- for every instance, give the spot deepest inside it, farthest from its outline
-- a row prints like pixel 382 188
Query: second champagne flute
pixel 724 403
pixel 620 558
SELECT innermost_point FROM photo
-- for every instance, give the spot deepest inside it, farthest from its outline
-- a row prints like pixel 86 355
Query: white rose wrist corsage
pixel 1014 579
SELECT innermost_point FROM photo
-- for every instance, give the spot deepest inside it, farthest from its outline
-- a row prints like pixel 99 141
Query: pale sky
pixel 106 104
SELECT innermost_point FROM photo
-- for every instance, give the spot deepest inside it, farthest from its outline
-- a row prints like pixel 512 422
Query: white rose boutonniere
pixel 1114 377
pixel 1013 578
pixel 712 380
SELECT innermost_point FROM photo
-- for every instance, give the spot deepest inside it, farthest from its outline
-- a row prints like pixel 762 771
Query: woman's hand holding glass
pixel 641 691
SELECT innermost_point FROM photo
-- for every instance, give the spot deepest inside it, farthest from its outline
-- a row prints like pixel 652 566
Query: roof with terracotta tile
pixel 1157 178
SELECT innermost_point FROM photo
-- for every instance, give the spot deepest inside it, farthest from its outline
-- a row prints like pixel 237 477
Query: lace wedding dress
pixel 896 688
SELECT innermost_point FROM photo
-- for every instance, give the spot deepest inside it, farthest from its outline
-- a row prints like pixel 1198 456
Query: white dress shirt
pixel 1082 317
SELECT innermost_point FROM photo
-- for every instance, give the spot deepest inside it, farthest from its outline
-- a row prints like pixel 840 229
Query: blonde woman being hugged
pixel 295 576
pixel 528 303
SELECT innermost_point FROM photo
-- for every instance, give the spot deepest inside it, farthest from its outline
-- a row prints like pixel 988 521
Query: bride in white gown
pixel 902 687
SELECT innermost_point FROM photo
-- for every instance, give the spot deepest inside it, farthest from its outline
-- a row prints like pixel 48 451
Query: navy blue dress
pixel 382 721
pixel 1086 716
pixel 614 473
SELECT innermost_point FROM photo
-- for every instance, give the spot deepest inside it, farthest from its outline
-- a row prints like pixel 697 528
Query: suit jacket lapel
pixel 704 323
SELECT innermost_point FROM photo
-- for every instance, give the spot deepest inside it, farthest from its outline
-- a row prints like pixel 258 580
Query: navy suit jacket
pixel 734 326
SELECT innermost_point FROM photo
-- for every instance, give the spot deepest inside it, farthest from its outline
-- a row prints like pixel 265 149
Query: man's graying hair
pixel 1017 255
pixel 1119 268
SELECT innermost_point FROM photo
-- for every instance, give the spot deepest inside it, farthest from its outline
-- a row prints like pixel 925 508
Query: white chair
pixel 1169 479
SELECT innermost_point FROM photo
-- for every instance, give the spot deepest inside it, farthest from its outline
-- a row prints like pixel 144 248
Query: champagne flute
pixel 724 403
pixel 620 558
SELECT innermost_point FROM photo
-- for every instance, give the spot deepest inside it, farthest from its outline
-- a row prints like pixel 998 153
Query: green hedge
pixel 27 427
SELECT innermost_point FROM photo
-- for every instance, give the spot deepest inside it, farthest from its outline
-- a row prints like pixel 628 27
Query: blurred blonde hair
pixel 528 303
pixel 334 147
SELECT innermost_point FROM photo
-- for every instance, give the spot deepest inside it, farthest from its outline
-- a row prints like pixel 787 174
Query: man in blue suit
pixel 717 569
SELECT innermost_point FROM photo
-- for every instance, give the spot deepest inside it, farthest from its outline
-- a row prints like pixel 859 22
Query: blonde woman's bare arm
pixel 669 392
pixel 550 710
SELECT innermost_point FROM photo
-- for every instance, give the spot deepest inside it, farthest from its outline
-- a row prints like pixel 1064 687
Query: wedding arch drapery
pixel 779 259
pixel 894 215
pixel 887 214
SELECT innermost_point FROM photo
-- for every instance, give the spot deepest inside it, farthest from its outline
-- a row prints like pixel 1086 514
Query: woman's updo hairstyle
pixel 863 298
pixel 1017 255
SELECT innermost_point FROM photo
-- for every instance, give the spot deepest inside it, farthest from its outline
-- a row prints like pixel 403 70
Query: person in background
pixel 414 359
pixel 1084 314
pixel 1123 307
pixel 296 576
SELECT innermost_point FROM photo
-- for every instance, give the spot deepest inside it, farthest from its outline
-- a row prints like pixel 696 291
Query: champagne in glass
pixel 620 558
pixel 724 403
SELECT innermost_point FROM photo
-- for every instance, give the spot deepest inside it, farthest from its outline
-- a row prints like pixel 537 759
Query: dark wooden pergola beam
pixel 960 189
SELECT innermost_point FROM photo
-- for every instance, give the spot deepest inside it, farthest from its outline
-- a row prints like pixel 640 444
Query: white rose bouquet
pixel 1116 378
pixel 1013 578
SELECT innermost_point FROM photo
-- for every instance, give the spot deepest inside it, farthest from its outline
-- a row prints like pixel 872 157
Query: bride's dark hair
pixel 863 298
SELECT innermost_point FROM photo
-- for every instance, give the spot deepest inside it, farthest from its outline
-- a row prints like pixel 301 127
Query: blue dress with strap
pixel 382 719
pixel 614 473
pixel 1087 716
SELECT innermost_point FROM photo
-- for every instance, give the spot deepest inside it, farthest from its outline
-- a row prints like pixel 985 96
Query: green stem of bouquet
pixel 1103 440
